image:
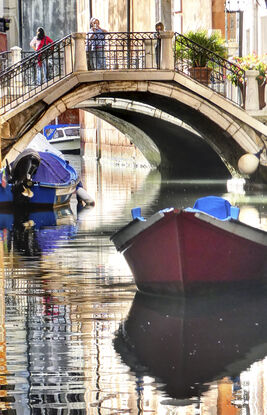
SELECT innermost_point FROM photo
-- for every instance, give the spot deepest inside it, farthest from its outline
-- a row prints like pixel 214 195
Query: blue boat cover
pixel 51 169
pixel 216 206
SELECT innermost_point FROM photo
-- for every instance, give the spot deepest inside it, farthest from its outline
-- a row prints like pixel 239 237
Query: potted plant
pixel 197 49
pixel 246 63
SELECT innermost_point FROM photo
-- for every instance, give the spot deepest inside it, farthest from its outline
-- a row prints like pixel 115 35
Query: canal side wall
pixel 103 142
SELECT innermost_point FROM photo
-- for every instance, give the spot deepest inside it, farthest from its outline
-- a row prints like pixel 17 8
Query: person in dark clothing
pixel 159 28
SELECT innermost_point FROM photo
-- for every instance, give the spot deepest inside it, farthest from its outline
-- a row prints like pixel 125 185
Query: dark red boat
pixel 192 250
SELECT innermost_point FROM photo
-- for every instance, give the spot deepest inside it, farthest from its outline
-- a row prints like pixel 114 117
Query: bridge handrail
pixel 116 50
pixel 120 50
pixel 29 55
pixel 4 60
pixel 32 74
pixel 218 69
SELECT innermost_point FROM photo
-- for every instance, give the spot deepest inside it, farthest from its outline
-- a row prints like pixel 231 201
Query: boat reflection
pixel 185 344
pixel 32 233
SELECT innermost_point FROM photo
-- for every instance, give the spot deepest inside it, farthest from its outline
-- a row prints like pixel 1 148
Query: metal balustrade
pixel 216 71
pixel 5 60
pixel 111 51
pixel 121 50
pixel 21 80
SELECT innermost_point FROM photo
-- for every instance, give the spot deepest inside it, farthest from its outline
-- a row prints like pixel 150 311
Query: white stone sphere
pixel 248 163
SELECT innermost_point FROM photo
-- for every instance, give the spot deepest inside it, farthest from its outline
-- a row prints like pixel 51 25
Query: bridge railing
pixel 122 50
pixel 215 73
pixel 5 60
pixel 111 51
pixel 34 73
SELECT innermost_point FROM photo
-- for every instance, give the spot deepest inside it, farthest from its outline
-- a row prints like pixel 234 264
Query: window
pixel 177 16
pixel 58 134
pixel 72 132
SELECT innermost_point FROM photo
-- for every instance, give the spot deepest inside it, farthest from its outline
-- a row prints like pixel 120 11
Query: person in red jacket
pixel 37 43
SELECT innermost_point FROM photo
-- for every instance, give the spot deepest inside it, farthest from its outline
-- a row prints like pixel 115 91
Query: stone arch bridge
pixel 173 119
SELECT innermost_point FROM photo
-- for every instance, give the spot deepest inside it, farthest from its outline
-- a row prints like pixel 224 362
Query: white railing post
pixel 15 54
pixel 80 62
pixel 252 92
pixel 167 53
pixel 16 85
pixel 68 57
pixel 150 53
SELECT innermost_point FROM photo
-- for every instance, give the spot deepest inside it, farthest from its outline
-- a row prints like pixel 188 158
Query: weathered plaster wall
pixel 10 10
pixel 57 17
pixel 197 15
pixel 113 15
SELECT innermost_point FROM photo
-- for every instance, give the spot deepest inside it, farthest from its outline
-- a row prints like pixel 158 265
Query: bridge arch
pixel 212 119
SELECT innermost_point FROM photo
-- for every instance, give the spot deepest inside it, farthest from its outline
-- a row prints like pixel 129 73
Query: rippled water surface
pixel 75 338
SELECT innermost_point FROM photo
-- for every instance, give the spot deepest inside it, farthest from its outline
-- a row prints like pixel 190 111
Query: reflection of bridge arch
pixel 229 130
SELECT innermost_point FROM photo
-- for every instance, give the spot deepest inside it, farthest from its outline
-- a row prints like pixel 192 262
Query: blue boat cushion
pixel 51 169
pixel 136 214
pixel 216 206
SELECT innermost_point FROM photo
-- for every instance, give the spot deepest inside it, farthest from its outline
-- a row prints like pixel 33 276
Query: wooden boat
pixel 192 250
pixel 186 343
pixel 37 179
pixel 64 137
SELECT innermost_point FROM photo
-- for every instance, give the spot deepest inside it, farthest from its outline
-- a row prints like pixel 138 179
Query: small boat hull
pixel 69 145
pixel 44 189
pixel 187 252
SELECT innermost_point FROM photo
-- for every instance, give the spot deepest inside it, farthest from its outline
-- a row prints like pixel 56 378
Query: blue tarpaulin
pixel 51 169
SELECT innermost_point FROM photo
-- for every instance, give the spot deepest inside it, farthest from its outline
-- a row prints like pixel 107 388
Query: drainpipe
pixel 128 29
pixel 255 27
pixel 128 16
pixel 20 22
pixel 90 9
pixel 241 19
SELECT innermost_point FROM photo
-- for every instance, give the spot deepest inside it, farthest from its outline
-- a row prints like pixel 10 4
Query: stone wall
pixel 57 17
pixel 101 141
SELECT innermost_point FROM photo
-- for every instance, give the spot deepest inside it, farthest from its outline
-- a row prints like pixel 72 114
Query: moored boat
pixel 193 250
pixel 37 179
pixel 64 137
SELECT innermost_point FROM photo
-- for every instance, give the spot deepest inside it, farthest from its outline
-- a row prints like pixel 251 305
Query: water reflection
pixel 63 296
pixel 185 344
pixel 32 233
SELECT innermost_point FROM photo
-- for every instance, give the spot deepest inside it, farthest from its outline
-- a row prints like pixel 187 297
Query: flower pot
pixel 261 89
pixel 200 74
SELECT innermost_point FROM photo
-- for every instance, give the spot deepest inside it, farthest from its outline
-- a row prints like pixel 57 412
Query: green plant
pixel 195 47
pixel 245 63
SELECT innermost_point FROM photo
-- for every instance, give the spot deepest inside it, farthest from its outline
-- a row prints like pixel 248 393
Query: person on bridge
pixel 159 28
pixel 37 43
pixel 97 44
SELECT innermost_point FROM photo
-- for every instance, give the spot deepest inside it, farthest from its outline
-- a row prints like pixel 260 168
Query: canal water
pixel 76 337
